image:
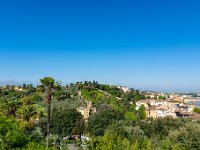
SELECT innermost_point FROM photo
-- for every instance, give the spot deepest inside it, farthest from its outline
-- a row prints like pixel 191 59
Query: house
pixel 17 88
pixel 123 88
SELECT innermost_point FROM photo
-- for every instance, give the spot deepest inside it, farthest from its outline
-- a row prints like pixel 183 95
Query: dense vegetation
pixel 197 110
pixel 46 117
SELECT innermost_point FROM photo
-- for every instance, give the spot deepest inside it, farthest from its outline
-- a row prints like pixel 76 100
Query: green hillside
pixel 50 110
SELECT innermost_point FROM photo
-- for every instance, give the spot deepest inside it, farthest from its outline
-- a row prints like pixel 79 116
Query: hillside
pixel 95 113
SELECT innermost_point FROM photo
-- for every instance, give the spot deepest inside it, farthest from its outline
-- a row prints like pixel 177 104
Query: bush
pixel 35 146
pixel 11 135
pixel 197 110
pixel 187 136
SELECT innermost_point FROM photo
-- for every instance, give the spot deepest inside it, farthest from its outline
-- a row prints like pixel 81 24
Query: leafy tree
pixel 159 128
pixel 197 110
pixel 134 96
pixel 162 98
pixel 27 100
pixel 113 142
pixel 36 135
pixel 99 122
pixel 142 112
pixel 187 136
pixel 11 136
pixel 36 98
pixel 118 128
pixel 132 115
pixel 125 129
pixel 67 122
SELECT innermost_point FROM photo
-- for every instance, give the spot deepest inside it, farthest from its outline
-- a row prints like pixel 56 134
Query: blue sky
pixel 142 44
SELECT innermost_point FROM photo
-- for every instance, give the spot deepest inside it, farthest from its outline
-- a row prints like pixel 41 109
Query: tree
pixel 162 98
pixel 10 106
pixel 159 128
pixel 27 112
pixel 11 136
pixel 142 112
pixel 67 122
pixel 131 115
pixel 99 122
pixel 48 86
pixel 187 136
pixel 36 135
pixel 197 110
pixel 114 142
pixel 27 100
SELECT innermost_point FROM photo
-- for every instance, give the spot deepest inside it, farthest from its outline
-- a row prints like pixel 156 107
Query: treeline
pixel 149 134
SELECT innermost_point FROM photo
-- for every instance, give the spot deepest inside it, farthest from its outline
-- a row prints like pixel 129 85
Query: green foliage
pixel 27 112
pixel 69 103
pixel 125 129
pixel 99 122
pixel 36 135
pixel 99 97
pixel 9 106
pixel 27 100
pixel 67 122
pixel 131 114
pixel 172 134
pixel 142 112
pixel 197 110
pixel 113 142
pixel 159 128
pixel 162 98
pixel 53 139
pixel 187 136
pixel 131 117
pixel 96 96
pixel 134 115
pixel 134 96
pixel 34 146
pixel 106 95
pixel 11 136
pixel 113 90
pixel 61 94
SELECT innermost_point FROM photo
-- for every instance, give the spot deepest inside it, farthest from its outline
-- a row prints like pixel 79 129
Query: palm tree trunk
pixel 49 97
pixel 48 123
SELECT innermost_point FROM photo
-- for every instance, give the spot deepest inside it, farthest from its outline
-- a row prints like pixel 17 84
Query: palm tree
pixel 10 107
pixel 27 112
pixel 48 86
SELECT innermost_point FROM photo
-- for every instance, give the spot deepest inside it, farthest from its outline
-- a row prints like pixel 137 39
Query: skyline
pixel 143 45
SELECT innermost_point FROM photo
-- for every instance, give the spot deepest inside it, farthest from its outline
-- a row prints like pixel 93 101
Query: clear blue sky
pixel 144 44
